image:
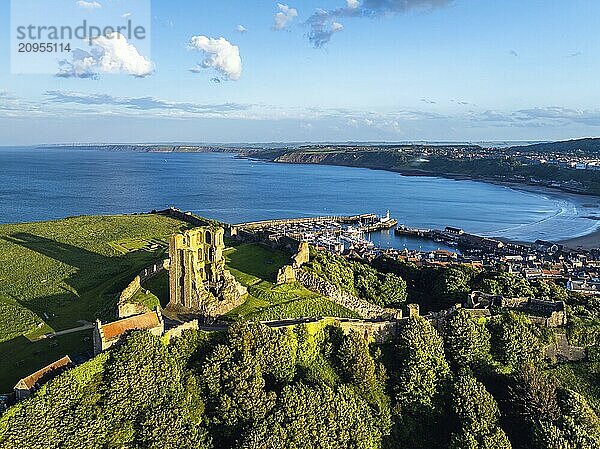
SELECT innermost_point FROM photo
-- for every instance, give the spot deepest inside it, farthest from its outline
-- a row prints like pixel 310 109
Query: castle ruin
pixel 198 280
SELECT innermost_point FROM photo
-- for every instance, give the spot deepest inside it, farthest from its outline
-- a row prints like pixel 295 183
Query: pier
pixel 308 220
pixel 334 233
pixel 414 232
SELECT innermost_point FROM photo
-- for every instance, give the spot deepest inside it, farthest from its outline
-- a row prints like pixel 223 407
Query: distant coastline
pixel 291 155
pixel 586 242
pixel 281 156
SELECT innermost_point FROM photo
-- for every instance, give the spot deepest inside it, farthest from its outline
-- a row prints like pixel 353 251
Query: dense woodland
pixel 473 385
pixel 357 278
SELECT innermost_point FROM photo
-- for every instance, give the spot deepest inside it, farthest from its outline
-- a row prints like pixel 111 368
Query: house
pixel 584 286
pixel 454 231
pixel 106 335
pixel 33 382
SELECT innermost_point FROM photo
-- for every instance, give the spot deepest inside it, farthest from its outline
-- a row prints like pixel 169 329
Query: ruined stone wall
pixel 178 331
pixel 377 331
pixel 514 303
pixel 196 264
pixel 125 307
pixel 561 351
pixel 186 217
pixel 556 319
pixel 302 256
pixel 358 305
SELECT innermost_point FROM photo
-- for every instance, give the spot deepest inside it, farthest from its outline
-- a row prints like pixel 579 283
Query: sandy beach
pixel 589 241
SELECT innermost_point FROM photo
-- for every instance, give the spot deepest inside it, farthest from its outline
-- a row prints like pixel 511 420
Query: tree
pixel 454 283
pixel 423 367
pixel 560 418
pixel 477 414
pixel 316 417
pixel 235 392
pixel 467 340
pixel 359 369
pixel 418 385
pixel 577 426
pixel 515 342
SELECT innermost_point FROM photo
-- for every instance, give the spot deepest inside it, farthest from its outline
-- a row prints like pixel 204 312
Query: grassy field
pixel 20 357
pixel 53 274
pixel 256 267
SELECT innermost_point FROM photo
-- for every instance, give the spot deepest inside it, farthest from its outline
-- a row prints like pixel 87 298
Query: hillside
pixel 481 386
pixel 54 274
pixel 589 146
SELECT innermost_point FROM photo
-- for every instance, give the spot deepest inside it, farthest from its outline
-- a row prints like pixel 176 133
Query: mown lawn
pixel 53 274
pixel 256 267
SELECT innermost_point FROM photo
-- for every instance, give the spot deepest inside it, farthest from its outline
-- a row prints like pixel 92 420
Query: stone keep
pixel 197 276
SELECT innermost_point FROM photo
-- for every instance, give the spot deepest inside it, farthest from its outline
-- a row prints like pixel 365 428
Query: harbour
pixel 334 233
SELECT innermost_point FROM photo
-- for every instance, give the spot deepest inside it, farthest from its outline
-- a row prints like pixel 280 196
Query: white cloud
pixel 335 27
pixel 284 17
pixel 109 54
pixel 89 5
pixel 220 54
pixel 324 23
pixel 241 29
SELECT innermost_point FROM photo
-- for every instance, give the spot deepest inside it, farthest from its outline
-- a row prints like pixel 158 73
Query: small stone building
pixel 107 335
pixel 26 386
pixel 542 312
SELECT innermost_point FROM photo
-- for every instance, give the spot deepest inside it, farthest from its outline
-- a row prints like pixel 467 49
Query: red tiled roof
pixel 34 378
pixel 139 322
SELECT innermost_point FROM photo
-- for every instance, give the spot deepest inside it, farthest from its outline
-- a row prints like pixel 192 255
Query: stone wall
pixel 177 331
pixel 286 275
pixel 351 302
pixel 302 256
pixel 513 303
pixel 125 307
pixel 561 351
pixel 376 331
pixel 187 217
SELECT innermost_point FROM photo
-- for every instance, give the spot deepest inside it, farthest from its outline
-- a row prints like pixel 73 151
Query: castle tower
pixel 196 266
pixel 198 279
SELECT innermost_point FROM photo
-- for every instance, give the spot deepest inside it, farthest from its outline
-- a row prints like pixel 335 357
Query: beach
pixel 589 241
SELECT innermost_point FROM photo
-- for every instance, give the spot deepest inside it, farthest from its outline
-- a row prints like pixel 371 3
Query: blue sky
pixel 466 70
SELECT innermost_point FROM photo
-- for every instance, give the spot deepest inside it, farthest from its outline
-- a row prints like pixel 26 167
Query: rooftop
pixel 138 322
pixel 30 381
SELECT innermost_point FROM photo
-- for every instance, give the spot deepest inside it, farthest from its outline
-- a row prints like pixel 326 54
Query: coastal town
pixel 576 269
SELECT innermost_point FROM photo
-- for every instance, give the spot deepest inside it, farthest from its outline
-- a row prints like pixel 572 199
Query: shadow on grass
pixel 159 287
pixel 21 357
pixel 91 291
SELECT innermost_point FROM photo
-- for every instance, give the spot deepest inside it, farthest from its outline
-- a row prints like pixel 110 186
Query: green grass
pixel 146 298
pixel 256 267
pixel 582 377
pixel 255 262
pixel 21 357
pixel 159 287
pixel 53 274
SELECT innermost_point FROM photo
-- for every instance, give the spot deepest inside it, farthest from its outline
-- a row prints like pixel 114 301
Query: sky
pixel 311 70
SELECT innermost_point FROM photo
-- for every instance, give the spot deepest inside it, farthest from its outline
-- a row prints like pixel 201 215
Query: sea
pixel 45 184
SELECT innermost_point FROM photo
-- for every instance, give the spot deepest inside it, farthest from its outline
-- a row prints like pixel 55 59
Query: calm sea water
pixel 55 183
